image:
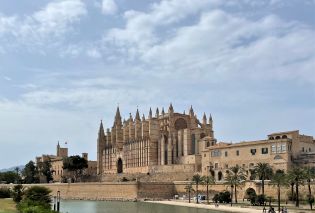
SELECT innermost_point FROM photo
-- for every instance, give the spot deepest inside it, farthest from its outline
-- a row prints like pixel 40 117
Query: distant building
pixel 59 173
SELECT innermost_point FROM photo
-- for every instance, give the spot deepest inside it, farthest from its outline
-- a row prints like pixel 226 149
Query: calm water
pixel 125 207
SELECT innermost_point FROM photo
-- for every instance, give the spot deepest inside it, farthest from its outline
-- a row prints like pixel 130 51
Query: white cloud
pixel 221 56
pixel 89 96
pixel 140 26
pixel 7 24
pixel 219 43
pixel 43 27
pixel 57 16
pixel 109 7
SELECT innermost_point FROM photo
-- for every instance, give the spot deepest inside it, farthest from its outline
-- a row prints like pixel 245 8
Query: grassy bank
pixel 7 206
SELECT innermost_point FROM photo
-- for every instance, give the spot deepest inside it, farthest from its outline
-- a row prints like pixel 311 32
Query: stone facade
pixel 147 145
pixel 173 143
pixel 280 150
pixel 57 164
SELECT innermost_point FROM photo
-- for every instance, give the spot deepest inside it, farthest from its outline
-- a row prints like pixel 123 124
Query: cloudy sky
pixel 66 64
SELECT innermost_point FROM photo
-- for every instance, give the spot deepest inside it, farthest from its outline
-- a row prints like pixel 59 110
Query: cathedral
pixel 165 142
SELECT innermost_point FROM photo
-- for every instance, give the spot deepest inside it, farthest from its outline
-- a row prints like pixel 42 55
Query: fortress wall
pixel 153 190
pixel 94 191
pixel 109 191
pixel 156 190
pixel 270 190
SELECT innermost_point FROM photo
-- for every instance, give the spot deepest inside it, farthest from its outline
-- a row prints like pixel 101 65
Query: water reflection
pixel 125 207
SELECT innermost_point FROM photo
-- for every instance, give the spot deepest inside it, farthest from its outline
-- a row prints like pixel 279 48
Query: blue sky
pixel 66 64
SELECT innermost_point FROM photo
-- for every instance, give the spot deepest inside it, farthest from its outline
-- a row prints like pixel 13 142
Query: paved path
pixel 211 206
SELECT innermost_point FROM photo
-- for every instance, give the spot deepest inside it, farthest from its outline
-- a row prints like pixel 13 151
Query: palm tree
pixel 297 175
pixel 197 179
pixel 208 180
pixel 279 179
pixel 234 177
pixel 309 175
pixel 189 189
pixel 263 171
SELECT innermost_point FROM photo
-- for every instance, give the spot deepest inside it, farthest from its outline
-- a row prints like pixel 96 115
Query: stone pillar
pixel 187 142
pixel 179 138
pixel 169 150
pixel 175 145
pixel 162 151
pixel 159 151
pixel 141 152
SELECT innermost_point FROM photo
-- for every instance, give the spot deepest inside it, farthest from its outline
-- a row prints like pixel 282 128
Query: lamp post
pixel 58 201
pixel 55 200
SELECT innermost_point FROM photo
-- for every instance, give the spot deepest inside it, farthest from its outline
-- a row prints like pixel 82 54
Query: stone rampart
pixel 110 191
pixel 154 190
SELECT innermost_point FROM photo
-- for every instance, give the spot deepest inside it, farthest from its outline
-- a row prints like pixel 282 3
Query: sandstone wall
pixel 153 190
pixel 110 191
pixel 270 190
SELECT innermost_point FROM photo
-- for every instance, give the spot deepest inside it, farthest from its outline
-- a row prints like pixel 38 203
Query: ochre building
pixel 59 174
pixel 165 142
pixel 175 144
pixel 280 150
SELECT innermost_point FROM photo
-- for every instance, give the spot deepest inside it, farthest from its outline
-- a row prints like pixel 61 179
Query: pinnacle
pixel 138 115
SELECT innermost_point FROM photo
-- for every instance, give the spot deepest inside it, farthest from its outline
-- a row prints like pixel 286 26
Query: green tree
pixel 235 177
pixel 251 195
pixel 222 197
pixel 75 165
pixel 297 175
pixel 46 170
pixel 309 175
pixel 4 192
pixel 9 177
pixel 189 189
pixel 18 177
pixel 207 180
pixel 36 199
pixel 17 193
pixel 30 173
pixel 264 172
pixel 197 180
pixel 279 179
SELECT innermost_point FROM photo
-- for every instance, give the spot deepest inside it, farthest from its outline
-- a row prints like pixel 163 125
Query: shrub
pixel 4 192
pixel 36 199
pixel 293 197
pixel 17 193
pixel 310 199
pixel 261 199
pixel 28 206
pixel 38 194
pixel 253 199
pixel 124 179
pixel 222 197
pixel 251 195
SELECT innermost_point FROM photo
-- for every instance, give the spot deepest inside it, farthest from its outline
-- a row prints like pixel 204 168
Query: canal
pixel 80 206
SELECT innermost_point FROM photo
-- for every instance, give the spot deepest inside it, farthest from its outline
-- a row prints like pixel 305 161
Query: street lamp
pixel 55 200
pixel 58 201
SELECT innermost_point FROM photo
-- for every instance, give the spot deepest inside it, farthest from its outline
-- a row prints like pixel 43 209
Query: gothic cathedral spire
pixel 117 121
pixel 204 119
pixel 137 115
pixel 191 111
pixel 150 113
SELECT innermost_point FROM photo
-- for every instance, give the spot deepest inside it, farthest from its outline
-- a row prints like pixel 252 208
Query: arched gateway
pixel 119 166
